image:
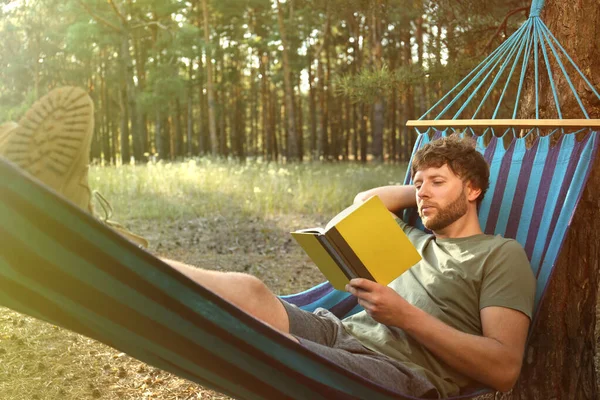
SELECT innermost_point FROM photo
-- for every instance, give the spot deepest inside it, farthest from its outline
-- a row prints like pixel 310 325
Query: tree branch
pixel 99 18
pixel 161 26
pixel 502 27
pixel 118 12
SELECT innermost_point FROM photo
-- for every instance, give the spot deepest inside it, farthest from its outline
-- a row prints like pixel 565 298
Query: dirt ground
pixel 39 361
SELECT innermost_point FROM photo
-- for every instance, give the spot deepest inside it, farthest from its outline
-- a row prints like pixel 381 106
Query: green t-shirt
pixel 455 280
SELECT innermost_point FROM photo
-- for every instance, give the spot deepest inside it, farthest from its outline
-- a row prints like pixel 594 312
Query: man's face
pixel 441 197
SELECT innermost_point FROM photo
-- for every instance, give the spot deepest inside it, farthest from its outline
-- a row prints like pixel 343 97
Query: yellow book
pixel 363 241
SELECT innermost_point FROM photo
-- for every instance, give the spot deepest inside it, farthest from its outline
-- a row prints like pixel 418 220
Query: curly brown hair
pixel 461 157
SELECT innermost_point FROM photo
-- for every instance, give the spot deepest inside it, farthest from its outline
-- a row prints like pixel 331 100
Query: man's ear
pixel 472 192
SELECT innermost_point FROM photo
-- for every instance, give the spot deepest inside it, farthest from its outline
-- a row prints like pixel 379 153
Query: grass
pixel 204 187
pixel 213 214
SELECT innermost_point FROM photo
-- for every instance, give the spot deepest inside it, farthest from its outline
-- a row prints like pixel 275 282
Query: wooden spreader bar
pixel 505 123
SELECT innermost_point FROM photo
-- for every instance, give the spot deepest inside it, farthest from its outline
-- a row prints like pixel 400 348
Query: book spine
pixel 348 272
pixel 348 254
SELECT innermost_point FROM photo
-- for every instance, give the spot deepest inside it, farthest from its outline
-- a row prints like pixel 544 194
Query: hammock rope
pixel 532 47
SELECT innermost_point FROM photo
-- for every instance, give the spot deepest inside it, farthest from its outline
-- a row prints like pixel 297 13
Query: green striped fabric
pixel 59 264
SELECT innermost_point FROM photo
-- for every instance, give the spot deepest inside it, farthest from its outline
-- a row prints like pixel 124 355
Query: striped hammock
pixel 60 265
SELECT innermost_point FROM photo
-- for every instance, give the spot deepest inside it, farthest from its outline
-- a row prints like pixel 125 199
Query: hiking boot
pixel 52 142
pixel 5 131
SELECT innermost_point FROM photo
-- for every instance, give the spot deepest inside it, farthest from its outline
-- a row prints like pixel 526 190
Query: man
pixel 459 316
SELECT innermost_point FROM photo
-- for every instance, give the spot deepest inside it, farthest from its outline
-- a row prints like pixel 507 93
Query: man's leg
pixel 245 291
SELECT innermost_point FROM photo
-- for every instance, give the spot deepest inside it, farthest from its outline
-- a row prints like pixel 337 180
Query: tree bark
pixel 141 55
pixel 124 128
pixel 376 63
pixel 560 357
pixel 129 101
pixel 300 121
pixel 292 142
pixel 312 107
pixel 158 128
pixel 190 111
pixel 408 110
pixel 420 32
pixel 212 123
pixel 202 111
pixel 322 109
pixel 265 108
pixel 222 99
pixel 177 149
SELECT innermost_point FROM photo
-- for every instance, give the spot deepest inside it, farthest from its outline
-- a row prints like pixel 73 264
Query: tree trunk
pixel 355 117
pixel 362 113
pixel 327 117
pixel 190 111
pixel 178 134
pixel 393 142
pixel 130 104
pixel 158 127
pixel 408 110
pixel 124 128
pixel 300 121
pixel 376 63
pixel 322 119
pixel 238 123
pixel 106 149
pixel 312 107
pixel 274 102
pixel 265 108
pixel 347 128
pixel 141 55
pixel 292 142
pixel 212 123
pixel 202 111
pixel 253 142
pixel 420 32
pixel 223 99
pixel 560 357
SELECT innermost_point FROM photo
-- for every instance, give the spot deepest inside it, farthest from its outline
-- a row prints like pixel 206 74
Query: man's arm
pixel 395 197
pixel 493 359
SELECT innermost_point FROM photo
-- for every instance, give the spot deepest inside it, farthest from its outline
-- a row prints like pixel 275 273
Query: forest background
pixel 302 79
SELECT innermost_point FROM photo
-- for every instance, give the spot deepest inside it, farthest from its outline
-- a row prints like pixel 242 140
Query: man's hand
pixel 382 303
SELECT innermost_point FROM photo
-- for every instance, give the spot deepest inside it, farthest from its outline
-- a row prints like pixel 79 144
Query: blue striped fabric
pixel 531 198
pixel 61 265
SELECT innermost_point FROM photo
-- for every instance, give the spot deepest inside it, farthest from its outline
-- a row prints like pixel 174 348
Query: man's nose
pixel 423 191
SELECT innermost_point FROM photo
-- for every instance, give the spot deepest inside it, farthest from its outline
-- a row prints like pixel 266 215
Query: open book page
pixel 317 230
pixel 343 214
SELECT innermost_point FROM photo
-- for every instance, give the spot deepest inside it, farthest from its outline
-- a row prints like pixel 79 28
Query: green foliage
pixel 48 43
pixel 367 85
pixel 164 85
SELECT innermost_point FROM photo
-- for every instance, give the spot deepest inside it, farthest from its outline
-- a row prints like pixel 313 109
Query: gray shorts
pixel 323 333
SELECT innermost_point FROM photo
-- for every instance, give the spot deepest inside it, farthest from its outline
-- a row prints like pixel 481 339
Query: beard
pixel 447 215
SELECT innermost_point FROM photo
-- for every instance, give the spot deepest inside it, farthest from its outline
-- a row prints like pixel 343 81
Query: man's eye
pixel 438 182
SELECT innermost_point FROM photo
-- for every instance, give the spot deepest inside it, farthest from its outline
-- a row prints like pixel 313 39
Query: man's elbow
pixel 508 377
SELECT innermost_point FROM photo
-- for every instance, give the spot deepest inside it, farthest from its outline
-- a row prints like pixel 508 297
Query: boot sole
pixel 5 132
pixel 52 142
